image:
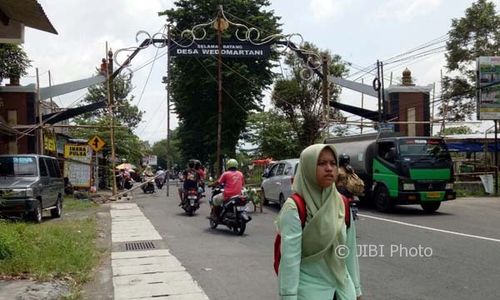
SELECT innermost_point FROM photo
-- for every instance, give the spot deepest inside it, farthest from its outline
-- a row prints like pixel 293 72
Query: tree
pixel 126 113
pixel 194 85
pixel 273 134
pixel 161 150
pixel 13 61
pixel 300 100
pixel 457 130
pixel 476 34
pixel 127 117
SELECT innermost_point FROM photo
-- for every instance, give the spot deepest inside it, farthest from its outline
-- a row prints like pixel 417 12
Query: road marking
pixel 431 229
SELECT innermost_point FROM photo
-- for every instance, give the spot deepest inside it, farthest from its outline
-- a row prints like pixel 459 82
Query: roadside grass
pixel 55 249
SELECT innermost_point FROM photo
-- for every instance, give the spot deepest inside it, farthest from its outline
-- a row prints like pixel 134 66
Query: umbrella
pixel 125 166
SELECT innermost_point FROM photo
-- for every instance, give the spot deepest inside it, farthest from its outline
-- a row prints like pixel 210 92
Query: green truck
pixel 400 169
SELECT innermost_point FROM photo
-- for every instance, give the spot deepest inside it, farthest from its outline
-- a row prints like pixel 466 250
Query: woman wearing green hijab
pixel 319 260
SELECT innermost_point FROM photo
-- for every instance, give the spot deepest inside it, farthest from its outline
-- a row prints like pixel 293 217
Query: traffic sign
pixel 96 143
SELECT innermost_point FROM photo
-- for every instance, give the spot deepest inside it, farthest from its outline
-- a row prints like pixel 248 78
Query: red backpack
pixel 301 208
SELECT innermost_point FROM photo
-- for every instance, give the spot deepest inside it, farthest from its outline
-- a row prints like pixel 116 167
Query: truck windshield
pixel 12 166
pixel 422 149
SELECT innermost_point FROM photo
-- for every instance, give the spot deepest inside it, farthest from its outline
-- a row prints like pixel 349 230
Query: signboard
pixel 96 143
pixel 78 173
pixel 489 88
pixel 151 160
pixel 229 49
pixel 49 143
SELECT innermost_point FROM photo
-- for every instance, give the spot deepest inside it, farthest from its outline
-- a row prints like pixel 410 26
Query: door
pixel 269 184
pixel 54 180
pixel 286 180
pixel 44 187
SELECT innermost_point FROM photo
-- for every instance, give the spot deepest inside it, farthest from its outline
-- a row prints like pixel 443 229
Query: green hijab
pixel 325 213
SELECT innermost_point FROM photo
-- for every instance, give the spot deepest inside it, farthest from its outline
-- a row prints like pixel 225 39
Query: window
pixel 50 165
pixel 288 170
pixel 42 167
pixel 387 151
pixel 281 167
pixel 411 118
pixel 273 171
pixel 17 166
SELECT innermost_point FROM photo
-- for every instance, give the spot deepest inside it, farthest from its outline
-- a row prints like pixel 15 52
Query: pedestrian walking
pixel 318 261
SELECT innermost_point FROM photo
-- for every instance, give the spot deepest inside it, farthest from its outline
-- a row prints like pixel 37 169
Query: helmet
pixel 191 163
pixel 344 160
pixel 232 163
pixel 197 164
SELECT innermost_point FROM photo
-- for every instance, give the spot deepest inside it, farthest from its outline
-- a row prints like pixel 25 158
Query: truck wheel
pixel 382 201
pixel 36 215
pixel 430 207
pixel 264 200
pixel 57 211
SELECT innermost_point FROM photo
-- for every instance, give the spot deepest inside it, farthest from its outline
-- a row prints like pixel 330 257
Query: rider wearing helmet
pixel 348 183
pixel 233 181
pixel 190 179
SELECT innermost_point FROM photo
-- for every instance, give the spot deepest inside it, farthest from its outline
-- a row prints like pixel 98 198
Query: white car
pixel 276 185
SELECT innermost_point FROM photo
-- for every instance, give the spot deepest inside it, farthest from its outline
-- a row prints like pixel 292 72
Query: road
pixel 452 254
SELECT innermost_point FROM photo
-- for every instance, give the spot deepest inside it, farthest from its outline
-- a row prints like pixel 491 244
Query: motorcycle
pixel 231 213
pixel 148 187
pixel 191 201
pixel 159 182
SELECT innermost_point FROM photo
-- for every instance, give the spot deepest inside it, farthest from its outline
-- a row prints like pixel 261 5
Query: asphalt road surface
pixel 452 254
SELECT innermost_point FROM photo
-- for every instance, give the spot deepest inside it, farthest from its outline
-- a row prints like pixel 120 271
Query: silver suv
pixel 30 184
pixel 277 183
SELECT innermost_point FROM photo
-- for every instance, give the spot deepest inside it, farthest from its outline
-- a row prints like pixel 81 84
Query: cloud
pixel 324 10
pixel 404 11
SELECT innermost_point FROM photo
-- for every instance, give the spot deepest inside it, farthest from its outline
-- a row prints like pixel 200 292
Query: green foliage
pixel 13 61
pixel 194 85
pixel 300 100
pixel 457 130
pixel 49 250
pixel 161 150
pixel 128 146
pixel 126 113
pixel 476 34
pixel 273 134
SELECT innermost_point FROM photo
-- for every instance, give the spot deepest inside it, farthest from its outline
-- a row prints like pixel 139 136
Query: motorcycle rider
pixel 348 183
pixel 190 179
pixel 233 182
pixel 160 177
pixel 201 174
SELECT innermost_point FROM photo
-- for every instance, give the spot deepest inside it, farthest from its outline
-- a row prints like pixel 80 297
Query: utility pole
pixel 376 86
pixel 362 105
pixel 445 106
pixel 432 106
pixel 110 90
pixel 221 25
pixel 167 82
pixel 324 61
pixel 40 112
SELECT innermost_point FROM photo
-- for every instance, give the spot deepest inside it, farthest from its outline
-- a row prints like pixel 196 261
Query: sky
pixel 360 31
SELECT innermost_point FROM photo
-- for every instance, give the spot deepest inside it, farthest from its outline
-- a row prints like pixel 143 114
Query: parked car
pixel 276 185
pixel 30 184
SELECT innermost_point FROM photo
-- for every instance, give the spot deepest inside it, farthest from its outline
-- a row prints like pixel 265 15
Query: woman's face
pixel 326 169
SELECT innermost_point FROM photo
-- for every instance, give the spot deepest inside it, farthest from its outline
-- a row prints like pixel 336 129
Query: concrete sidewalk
pixel 140 269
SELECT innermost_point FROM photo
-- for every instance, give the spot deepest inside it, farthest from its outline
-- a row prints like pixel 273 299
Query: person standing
pixel 319 261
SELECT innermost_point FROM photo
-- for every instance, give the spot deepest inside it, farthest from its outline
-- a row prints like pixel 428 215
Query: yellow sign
pixel 96 143
pixel 74 151
pixel 49 143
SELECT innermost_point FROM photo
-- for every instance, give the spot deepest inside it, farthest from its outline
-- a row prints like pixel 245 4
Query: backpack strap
pixel 301 208
pixel 347 206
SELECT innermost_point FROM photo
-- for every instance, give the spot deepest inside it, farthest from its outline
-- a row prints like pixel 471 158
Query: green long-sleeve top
pixel 312 280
